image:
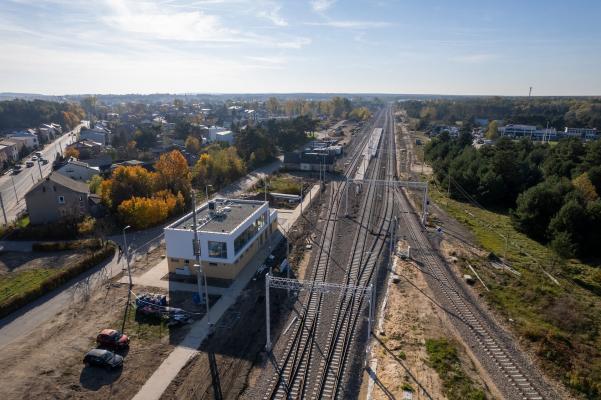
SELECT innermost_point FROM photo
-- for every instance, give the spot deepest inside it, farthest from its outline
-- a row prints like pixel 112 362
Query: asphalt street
pixel 14 186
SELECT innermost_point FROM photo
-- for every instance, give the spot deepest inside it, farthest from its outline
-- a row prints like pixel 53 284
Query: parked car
pixel 39 154
pixel 18 168
pixel 112 338
pixel 34 158
pixel 103 358
pixel 29 164
pixel 44 161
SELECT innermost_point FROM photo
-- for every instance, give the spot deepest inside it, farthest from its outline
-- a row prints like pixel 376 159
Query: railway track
pixel 512 374
pixel 375 217
pixel 293 372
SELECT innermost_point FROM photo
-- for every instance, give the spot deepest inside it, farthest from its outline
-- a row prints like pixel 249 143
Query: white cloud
pixel 322 5
pixel 350 24
pixel 163 23
pixel 151 21
pixel 274 16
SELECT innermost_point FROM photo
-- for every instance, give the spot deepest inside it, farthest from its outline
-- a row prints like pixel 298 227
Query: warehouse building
pixel 230 233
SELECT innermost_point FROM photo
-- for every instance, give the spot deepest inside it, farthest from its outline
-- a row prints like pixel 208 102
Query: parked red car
pixel 112 338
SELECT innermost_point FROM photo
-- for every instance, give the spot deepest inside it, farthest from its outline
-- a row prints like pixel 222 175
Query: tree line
pixel 540 111
pixel 550 191
pixel 20 114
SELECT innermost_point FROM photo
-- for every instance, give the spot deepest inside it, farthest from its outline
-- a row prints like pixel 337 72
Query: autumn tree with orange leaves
pixel 142 198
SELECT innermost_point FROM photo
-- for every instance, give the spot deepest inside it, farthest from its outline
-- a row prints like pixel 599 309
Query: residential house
pixel 98 134
pixel 57 197
pixel 10 150
pixel 87 148
pixel 225 136
pixel 28 137
pixel 78 170
pixel 47 132
pixel 213 131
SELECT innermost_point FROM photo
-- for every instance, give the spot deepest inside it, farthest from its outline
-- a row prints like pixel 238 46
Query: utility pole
pixel 301 196
pixel 127 256
pixel 196 250
pixel 267 322
pixel 346 199
pixel 40 168
pixel 265 187
pixel 14 188
pixel 3 211
pixel 207 191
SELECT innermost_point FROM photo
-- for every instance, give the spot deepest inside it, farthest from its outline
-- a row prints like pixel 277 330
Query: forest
pixel 550 191
pixel 21 114
pixel 558 112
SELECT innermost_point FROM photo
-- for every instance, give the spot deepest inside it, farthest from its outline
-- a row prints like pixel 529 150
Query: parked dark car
pixel 103 358
pixel 112 338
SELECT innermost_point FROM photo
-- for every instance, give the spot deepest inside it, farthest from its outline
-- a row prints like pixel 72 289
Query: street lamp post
pixel 301 196
pixel 127 256
pixel 40 169
pixel 14 188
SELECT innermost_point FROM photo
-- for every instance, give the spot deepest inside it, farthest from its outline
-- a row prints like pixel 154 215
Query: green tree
pixel 493 130
pixel 146 138
pixel 568 228
pixel 192 144
pixel 538 205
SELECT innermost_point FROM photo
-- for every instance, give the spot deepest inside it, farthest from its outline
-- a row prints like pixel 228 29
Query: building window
pixel 249 233
pixel 186 261
pixel 213 264
pixel 175 259
pixel 217 249
pixel 61 199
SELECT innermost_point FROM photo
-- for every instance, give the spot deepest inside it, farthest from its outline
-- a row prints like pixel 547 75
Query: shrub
pixel 92 244
pixel 16 302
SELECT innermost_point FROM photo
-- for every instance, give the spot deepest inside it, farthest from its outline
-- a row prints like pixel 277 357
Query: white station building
pixel 230 233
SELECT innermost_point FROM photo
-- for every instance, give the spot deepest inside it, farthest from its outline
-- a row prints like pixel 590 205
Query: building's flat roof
pixel 235 212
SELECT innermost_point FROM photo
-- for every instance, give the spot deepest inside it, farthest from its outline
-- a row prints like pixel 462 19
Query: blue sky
pixel 225 46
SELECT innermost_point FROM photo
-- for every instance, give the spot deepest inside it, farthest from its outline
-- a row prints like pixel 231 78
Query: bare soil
pixel 232 362
pixel 410 318
pixel 48 362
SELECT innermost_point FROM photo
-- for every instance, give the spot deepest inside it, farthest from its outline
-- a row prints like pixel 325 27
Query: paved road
pixel 14 187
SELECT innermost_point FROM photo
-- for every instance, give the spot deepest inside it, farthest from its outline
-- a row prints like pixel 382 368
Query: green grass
pixel 442 356
pixel 560 320
pixel 22 222
pixel 13 284
pixel 281 184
